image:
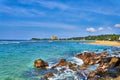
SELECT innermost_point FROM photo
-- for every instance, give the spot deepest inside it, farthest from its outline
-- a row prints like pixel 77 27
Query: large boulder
pixel 40 64
pixel 115 61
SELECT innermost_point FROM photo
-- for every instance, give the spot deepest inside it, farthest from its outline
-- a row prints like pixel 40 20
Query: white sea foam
pixel 115 55
pixel 66 74
pixel 77 61
pixel 9 42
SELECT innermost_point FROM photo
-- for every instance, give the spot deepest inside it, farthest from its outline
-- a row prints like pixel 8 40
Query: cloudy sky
pixel 24 19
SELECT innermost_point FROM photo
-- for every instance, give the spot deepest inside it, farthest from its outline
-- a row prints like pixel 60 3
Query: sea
pixel 17 57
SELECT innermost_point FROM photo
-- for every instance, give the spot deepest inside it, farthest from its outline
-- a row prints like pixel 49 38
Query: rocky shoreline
pixel 108 67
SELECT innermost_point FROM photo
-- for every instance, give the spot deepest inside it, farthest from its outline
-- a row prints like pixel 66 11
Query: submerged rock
pixel 40 64
pixel 48 75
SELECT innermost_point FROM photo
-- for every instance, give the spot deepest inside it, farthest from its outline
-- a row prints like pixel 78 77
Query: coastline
pixel 108 43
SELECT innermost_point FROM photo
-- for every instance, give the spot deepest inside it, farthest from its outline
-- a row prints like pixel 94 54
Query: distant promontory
pixel 110 37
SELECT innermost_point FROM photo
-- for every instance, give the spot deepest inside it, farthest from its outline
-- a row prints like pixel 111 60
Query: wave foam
pixel 9 42
pixel 77 61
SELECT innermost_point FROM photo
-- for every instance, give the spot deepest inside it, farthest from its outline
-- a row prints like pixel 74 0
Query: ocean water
pixel 17 56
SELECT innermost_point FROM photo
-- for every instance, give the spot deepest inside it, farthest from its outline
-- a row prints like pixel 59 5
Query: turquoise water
pixel 17 57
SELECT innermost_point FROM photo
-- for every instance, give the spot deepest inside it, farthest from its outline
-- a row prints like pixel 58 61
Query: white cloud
pixel 117 25
pixel 100 28
pixel 90 29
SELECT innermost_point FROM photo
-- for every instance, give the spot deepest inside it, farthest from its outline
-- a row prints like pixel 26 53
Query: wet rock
pixel 92 58
pixel 117 78
pixel 40 64
pixel 62 62
pixel 72 66
pixel 105 60
pixel 48 75
pixel 83 67
pixel 102 68
pixel 53 67
pixel 116 52
pixel 91 74
pixel 115 61
pixel 62 70
pixel 79 56
pixel 86 55
pixel 69 64
pixel 104 54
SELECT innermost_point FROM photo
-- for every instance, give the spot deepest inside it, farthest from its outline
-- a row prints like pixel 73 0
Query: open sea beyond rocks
pixel 17 57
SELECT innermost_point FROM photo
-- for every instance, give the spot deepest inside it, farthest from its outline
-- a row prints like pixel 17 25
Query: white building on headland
pixel 53 37
pixel 119 38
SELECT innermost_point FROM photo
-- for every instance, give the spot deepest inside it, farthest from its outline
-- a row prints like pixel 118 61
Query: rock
pixel 116 52
pixel 86 61
pixel 74 68
pixel 117 78
pixel 115 61
pixel 62 70
pixel 104 54
pixel 40 64
pixel 79 56
pixel 105 60
pixel 83 67
pixel 62 62
pixel 48 75
pixel 102 68
pixel 91 74
pixel 69 64
pixel 86 55
pixel 53 67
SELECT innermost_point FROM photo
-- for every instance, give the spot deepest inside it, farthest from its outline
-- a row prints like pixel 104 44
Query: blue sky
pixel 24 19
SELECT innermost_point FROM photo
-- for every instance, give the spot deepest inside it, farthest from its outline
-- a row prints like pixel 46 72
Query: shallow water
pixel 17 57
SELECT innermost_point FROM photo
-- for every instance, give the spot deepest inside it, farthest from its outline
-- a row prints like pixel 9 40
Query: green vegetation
pixel 111 37
pixel 40 39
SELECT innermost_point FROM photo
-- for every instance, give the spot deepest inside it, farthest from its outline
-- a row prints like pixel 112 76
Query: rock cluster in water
pixel 108 67
pixel 40 64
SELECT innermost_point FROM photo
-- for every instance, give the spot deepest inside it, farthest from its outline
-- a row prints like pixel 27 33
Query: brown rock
pixel 48 75
pixel 73 68
pixel 86 55
pixel 40 64
pixel 118 78
pixel 69 64
pixel 62 62
pixel 92 74
pixel 102 68
pixel 79 56
pixel 115 61
pixel 83 67
pixel 53 67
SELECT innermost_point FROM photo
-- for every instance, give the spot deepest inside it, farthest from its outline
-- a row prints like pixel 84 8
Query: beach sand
pixel 109 43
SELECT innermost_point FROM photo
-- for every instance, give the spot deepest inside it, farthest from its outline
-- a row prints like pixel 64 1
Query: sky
pixel 24 19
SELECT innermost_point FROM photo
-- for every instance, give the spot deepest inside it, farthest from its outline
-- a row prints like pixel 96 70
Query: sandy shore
pixel 110 43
